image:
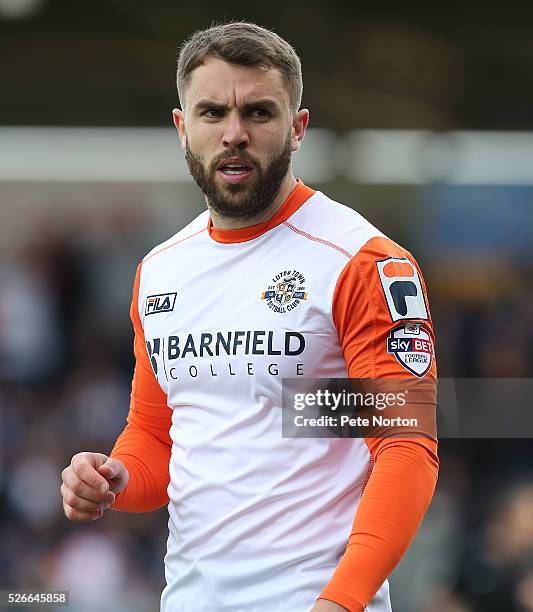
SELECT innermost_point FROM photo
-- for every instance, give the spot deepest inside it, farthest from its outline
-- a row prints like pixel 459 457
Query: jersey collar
pixel 300 194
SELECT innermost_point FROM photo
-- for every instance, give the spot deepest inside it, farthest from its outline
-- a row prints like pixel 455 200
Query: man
pixel 273 281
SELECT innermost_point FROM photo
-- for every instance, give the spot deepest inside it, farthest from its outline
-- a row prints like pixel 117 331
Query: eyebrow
pixel 266 103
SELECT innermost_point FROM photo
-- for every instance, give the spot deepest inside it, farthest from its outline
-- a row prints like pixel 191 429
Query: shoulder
pixel 179 240
pixel 372 268
pixel 326 220
pixel 334 224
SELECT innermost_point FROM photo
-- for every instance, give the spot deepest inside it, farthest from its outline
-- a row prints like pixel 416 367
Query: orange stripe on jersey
pixel 298 196
pixel 144 445
pixel 170 246
pixel 316 239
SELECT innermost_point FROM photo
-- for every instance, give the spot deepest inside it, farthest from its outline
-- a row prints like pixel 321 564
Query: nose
pixel 235 132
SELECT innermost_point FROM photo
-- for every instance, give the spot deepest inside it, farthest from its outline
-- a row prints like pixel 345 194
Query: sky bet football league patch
pixel 412 347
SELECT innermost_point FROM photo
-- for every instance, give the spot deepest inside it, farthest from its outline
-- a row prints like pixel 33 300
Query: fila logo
pixel 162 302
pixel 402 288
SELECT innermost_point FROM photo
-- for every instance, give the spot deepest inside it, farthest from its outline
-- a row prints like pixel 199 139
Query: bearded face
pixel 245 198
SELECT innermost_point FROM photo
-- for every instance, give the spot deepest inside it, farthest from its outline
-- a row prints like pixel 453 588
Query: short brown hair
pixel 245 44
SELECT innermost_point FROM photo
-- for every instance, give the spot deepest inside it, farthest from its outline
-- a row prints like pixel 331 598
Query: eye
pixel 259 113
pixel 213 113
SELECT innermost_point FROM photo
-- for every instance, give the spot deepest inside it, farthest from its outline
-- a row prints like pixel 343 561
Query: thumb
pixel 110 469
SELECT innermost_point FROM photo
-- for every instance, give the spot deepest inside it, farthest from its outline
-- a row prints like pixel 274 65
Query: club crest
pixel 286 292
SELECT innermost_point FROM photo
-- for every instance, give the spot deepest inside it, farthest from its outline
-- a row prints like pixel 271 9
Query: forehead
pixel 227 83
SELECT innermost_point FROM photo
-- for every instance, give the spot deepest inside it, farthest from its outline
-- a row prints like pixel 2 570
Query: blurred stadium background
pixel 422 120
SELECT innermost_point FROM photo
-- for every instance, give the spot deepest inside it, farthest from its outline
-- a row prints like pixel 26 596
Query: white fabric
pixel 258 523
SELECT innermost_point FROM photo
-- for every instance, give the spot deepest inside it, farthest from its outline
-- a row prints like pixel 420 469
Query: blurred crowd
pixel 65 374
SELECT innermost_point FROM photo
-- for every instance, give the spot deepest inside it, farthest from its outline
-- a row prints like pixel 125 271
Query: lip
pixel 235 178
pixel 233 160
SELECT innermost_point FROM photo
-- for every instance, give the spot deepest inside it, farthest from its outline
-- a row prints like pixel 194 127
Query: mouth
pixel 235 169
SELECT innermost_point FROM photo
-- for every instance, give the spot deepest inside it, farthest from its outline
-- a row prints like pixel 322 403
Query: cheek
pixel 203 140
pixel 271 139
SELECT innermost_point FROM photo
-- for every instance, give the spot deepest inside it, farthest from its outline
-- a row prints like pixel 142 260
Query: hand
pixel 325 605
pixel 89 485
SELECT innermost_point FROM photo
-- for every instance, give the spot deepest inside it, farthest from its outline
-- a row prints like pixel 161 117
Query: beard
pixel 241 200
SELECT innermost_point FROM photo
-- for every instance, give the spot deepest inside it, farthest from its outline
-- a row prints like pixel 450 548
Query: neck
pixel 288 184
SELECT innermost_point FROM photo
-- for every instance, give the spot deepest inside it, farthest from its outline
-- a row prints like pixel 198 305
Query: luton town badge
pixel 286 292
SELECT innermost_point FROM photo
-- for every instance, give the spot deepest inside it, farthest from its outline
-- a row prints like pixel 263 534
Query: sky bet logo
pixel 162 302
pixel 412 346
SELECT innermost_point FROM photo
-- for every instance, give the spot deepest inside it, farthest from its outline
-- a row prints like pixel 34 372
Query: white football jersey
pixel 258 522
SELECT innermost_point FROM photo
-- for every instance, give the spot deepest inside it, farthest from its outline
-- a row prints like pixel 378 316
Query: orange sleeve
pixel 144 445
pixel 404 470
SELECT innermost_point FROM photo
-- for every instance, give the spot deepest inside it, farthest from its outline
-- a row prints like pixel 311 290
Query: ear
pixel 299 125
pixel 179 121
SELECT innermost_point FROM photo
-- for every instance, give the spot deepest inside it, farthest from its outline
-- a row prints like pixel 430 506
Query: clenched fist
pixel 89 485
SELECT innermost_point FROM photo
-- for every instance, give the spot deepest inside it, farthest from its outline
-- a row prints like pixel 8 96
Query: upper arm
pixel 382 316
